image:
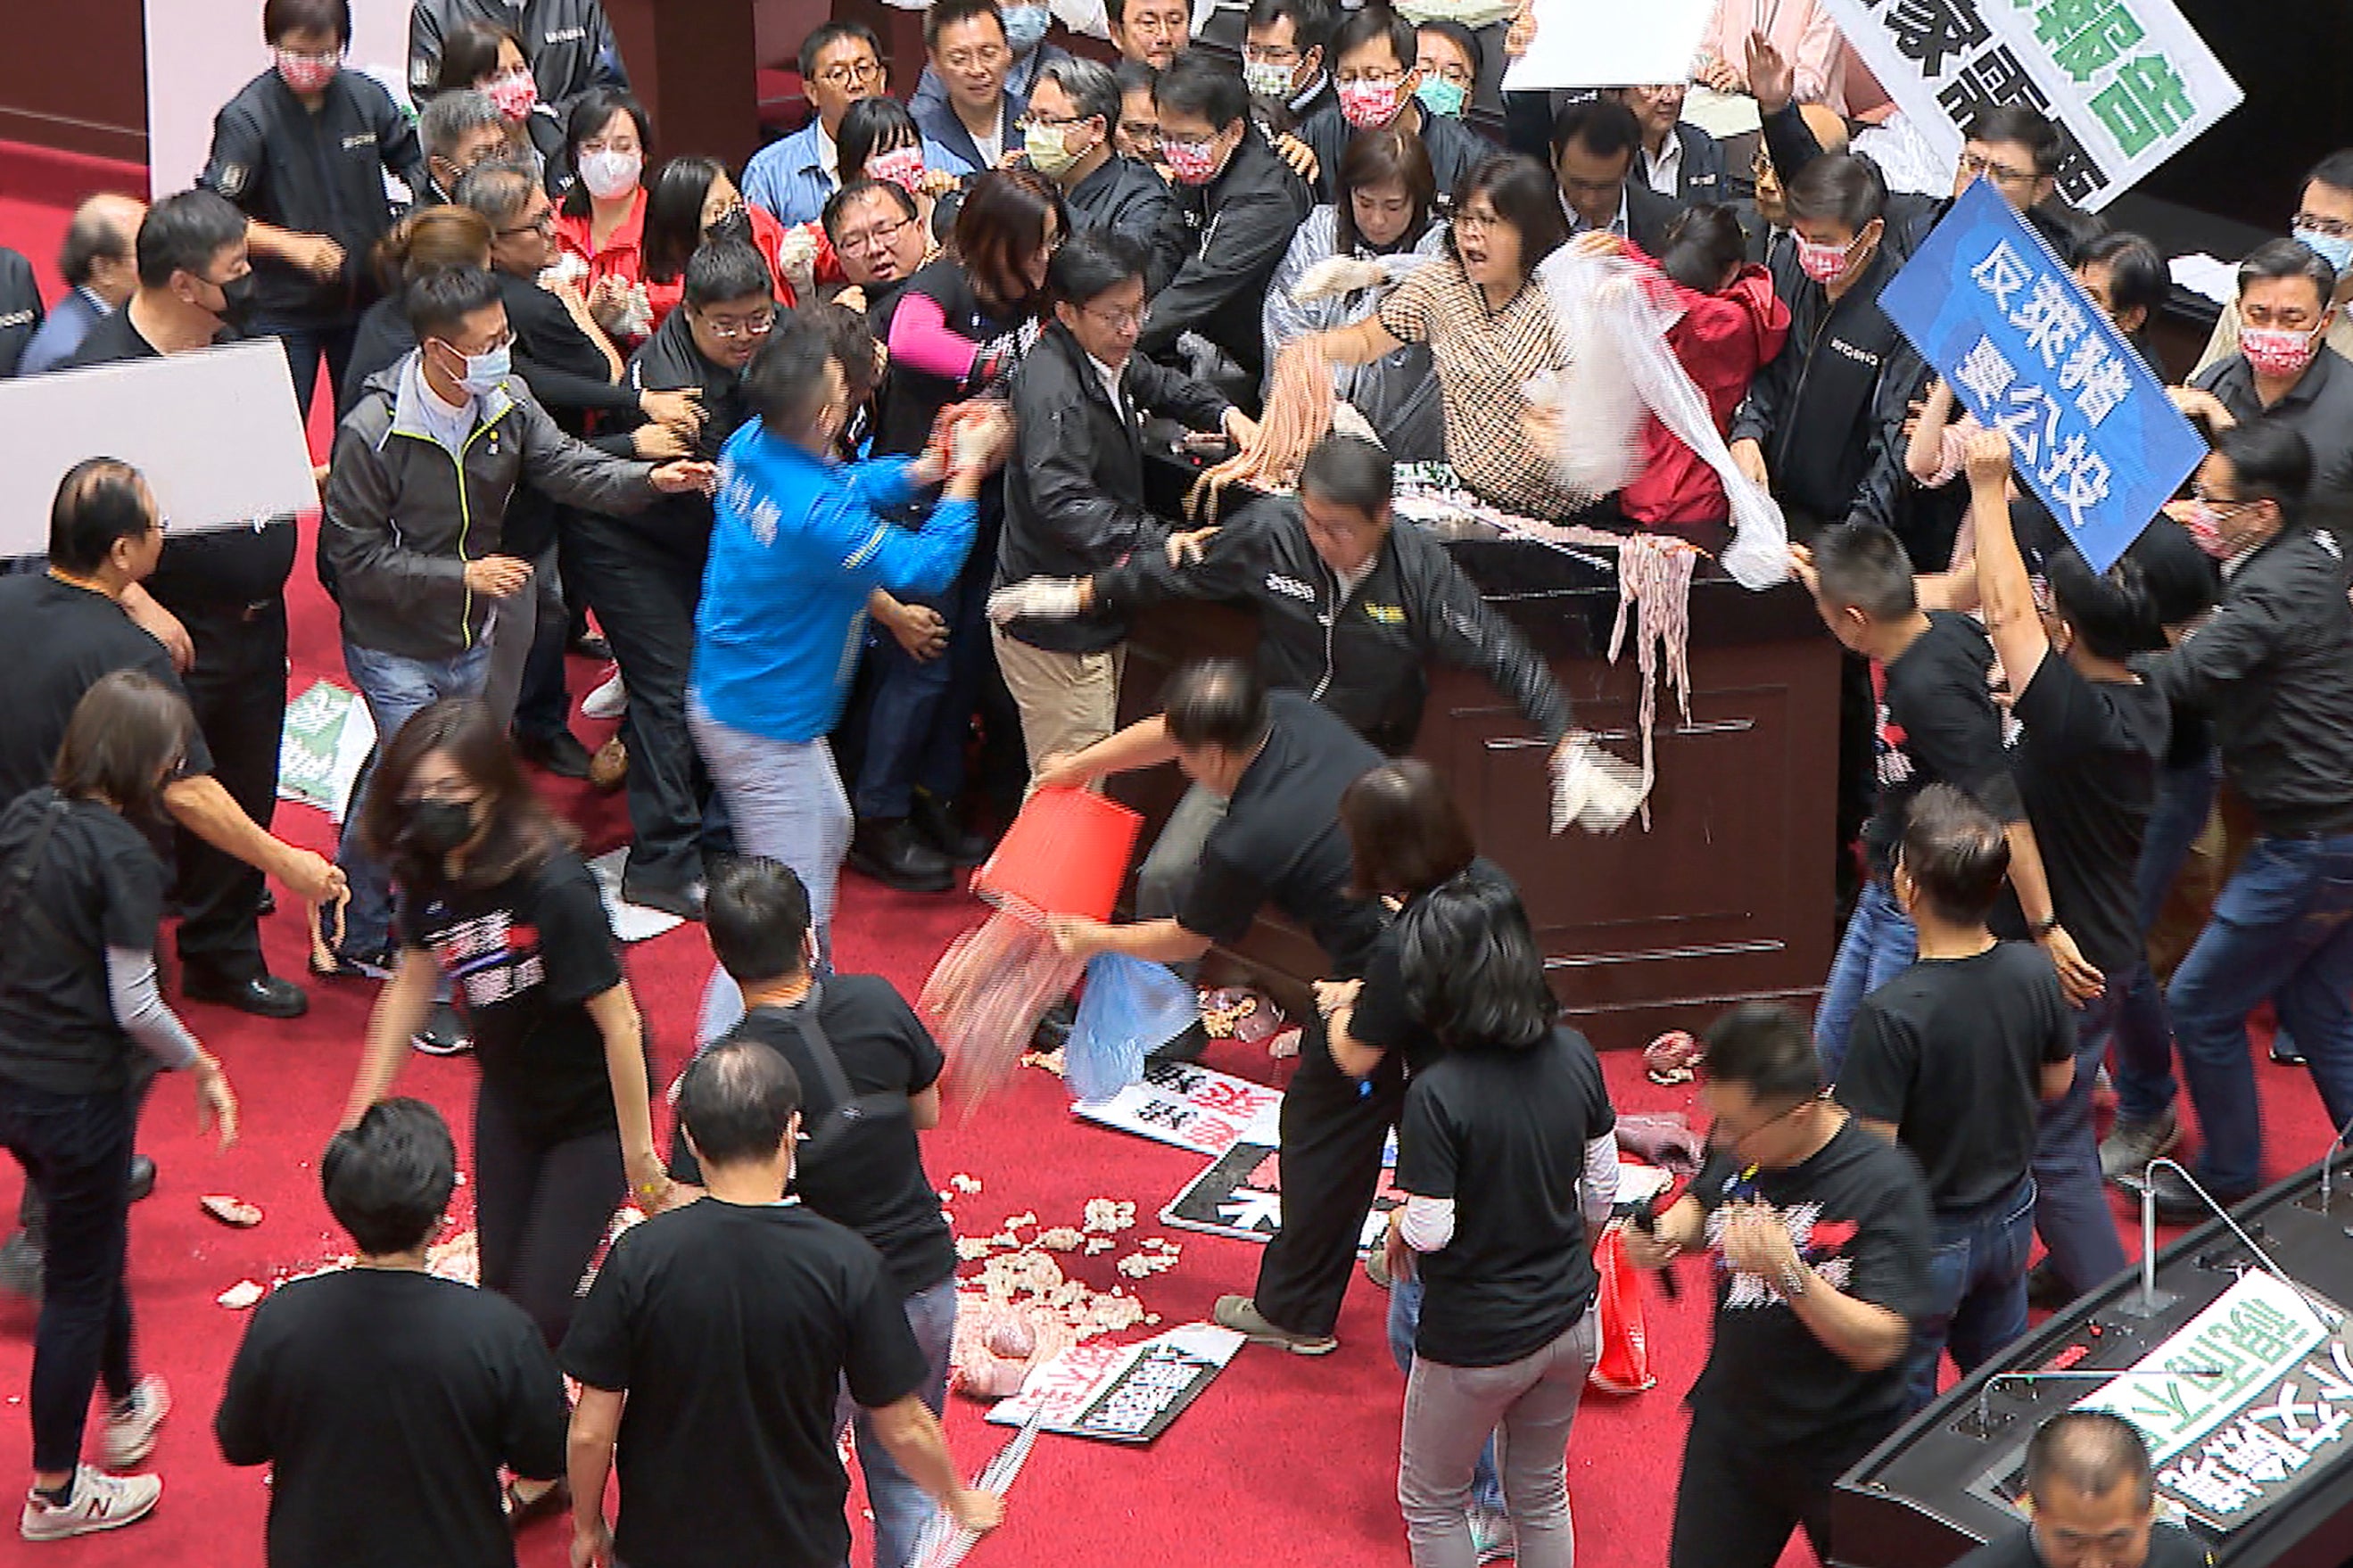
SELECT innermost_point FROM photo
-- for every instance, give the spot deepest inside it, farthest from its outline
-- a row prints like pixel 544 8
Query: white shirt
pixel 992 146
pixel 1110 379
pixel 1351 581
pixel 828 155
pixel 1664 173
pixel 1578 226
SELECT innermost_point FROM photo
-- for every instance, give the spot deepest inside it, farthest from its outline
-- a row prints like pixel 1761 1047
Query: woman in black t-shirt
pixel 489 892
pixel 1507 1153
pixel 81 1027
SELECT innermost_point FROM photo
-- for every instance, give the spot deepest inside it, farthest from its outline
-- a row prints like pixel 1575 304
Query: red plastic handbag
pixel 1623 1363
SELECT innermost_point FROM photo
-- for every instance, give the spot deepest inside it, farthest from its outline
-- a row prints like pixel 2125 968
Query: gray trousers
pixel 514 627
pixel 1529 1405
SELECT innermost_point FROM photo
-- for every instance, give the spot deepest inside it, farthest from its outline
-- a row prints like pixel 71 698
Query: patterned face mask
pixel 903 167
pixel 515 96
pixel 2274 352
pixel 1368 105
pixel 1192 162
pixel 1822 263
pixel 307 74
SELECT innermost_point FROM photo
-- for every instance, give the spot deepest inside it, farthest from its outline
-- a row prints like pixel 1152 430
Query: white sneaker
pixel 129 1434
pixel 100 1501
pixel 608 700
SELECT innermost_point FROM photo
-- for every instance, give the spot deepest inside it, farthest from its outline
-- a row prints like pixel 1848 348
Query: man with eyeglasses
pixel 1816 1236
pixel 1026 26
pixel 1375 67
pixel 1283 47
pixel 2324 223
pixel 2286 307
pixel 1068 138
pixel 1138 135
pixel 877 231
pixel 978 120
pixel 459 130
pixel 1149 32
pixel 841 62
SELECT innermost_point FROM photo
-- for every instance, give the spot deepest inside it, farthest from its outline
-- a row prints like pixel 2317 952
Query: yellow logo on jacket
pixel 1388 614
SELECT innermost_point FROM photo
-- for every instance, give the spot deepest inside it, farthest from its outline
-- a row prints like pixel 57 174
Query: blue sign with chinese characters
pixel 2030 354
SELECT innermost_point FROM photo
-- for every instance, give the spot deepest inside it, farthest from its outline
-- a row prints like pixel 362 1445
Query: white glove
pixel 1037 598
pixel 796 257
pixel 1336 275
pixel 1592 788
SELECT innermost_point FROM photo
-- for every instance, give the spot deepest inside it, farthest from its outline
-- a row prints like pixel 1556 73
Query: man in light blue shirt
pixel 841 62
pixel 801 540
pixel 98 265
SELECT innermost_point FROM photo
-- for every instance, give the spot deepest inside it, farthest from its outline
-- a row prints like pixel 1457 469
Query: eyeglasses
pixel 1479 223
pixel 2335 227
pixel 1359 75
pixel 879 237
pixel 545 223
pixel 1121 321
pixel 727 329
pixel 1973 166
pixel 1459 75
pixel 980 56
pixel 293 58
pixel 1029 122
pixel 1270 53
pixel 855 74
pixel 1723 1137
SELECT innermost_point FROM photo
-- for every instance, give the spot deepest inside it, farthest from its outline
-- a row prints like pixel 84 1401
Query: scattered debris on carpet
pixel 229 1211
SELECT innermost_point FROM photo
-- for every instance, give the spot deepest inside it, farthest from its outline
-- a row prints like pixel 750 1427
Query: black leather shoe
pixel 935 819
pixel 892 853
pixel 1053 1031
pixel 2285 1051
pixel 560 753
pixel 592 646
pixel 142 1176
pixel 685 902
pixel 264 995
pixel 2177 1205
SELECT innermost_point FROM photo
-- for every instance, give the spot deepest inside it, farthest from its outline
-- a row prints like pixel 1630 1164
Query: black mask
pixel 437 826
pixel 236 301
pixel 736 223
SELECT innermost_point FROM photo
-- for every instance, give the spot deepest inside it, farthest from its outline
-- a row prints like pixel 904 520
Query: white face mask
pixel 609 175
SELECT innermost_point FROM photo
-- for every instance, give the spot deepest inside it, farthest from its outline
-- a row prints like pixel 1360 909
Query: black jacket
pixel 1230 234
pixel 2319 408
pixel 1366 657
pixel 1648 214
pixel 1699 176
pixel 314 174
pixel 1829 409
pixel 20 309
pixel 1453 147
pixel 1074 491
pixel 2274 669
pixel 568 44
pixel 667 361
pixel 1127 197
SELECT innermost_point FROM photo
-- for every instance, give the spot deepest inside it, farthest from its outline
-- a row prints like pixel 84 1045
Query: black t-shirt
pixel 1503 1132
pixel 2087 769
pixel 98 884
pixel 732 1328
pixel 1938 724
pixel 1382 1019
pixel 526 956
pixel 2170 1546
pixel 1857 1213
pixel 1281 839
pixel 870 1176
pixel 385 1401
pixel 912 398
pixel 219 566
pixel 61 641
pixel 1951 1051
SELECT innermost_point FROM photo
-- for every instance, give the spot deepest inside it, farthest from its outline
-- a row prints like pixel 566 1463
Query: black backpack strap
pixel 848 1111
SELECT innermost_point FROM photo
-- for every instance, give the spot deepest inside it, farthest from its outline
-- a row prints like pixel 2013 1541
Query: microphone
pixel 2328 1158
pixel 2327 1318
pixel 2150 1301
pixel 1983 1426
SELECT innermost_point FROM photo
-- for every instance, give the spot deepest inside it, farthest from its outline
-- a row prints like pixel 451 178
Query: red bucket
pixel 1066 854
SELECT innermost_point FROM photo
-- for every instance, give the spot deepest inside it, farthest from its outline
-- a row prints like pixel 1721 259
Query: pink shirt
pixel 1801 29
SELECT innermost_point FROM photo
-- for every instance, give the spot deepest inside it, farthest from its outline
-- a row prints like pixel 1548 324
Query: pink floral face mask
pixel 903 167
pixel 516 95
pixel 1192 162
pixel 306 74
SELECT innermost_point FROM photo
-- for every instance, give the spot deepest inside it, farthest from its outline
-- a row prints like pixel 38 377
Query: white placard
pixel 2129 82
pixel 1609 43
pixel 216 433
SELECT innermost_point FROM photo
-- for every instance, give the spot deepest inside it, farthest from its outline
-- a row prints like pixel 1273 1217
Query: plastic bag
pixel 1129 1007
pixel 1623 1363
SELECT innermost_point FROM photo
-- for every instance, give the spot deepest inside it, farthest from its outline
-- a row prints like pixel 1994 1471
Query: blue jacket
pixel 787 178
pixel 798 544
pixel 938 122
pixel 60 335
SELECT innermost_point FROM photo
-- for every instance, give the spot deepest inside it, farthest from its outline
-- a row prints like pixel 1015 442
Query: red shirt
pixel 1722 340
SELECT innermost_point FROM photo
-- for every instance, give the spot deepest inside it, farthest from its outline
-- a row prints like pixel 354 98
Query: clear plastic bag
pixel 1129 1007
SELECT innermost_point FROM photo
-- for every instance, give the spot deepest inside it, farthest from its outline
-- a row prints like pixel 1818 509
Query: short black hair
pixel 757 913
pixel 1375 24
pixel 1218 702
pixel 100 501
pixel 90 238
pixel 786 382
pixel 2019 125
pixel 1473 974
pixel 2335 171
pixel 1197 82
pixel 2137 276
pixel 438 299
pixel 736 1102
pixel 1863 567
pixel 1093 262
pixel 727 269
pixel 1350 471
pixel 2288 258
pixel 2090 1452
pixel 858 190
pixel 1461 36
pixel 824 34
pixel 1767 1049
pixel 1311 20
pixel 946 14
pixel 2269 460
pixel 1604 127
pixel 874 125
pixel 1526 194
pixel 184 232
pixel 280 17
pixel 2113 612
pixel 388 1177
pixel 1703 242
pixel 1956 855
pixel 1845 187
pixel 1134 75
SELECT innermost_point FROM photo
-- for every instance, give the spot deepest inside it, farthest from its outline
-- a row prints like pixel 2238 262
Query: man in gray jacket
pixel 424 466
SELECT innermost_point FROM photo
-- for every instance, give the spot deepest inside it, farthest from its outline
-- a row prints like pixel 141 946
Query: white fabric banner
pixel 2129 82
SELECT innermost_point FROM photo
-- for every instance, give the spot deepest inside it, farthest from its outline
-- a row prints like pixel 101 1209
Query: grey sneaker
pixel 1492 1536
pixel 2128 1148
pixel 1240 1314
pixel 100 1501
pixel 129 1433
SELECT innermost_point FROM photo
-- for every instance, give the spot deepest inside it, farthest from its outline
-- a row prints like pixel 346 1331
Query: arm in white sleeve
pixel 139 1007
pixel 1428 1224
pixel 1601 1178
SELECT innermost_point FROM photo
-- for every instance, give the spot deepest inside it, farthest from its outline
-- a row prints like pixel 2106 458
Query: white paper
pixel 1722 114
pixel 631 922
pixel 216 433
pixel 1610 43
pixel 2202 274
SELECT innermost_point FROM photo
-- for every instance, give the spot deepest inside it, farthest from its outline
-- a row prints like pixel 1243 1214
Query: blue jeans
pixel 1405 1317
pixel 902 1507
pixel 919 711
pixel 2144 1075
pixel 1977 1288
pixel 1878 945
pixel 2071 1205
pixel 2281 929
pixel 395 688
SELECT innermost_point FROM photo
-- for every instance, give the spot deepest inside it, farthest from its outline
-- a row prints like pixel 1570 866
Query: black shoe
pixel 560 753
pixel 2177 1204
pixel 890 853
pixel 685 902
pixel 935 819
pixel 2284 1050
pixel 1053 1031
pixel 2045 1290
pixel 264 995
pixel 443 1033
pixel 1186 1047
pixel 592 646
pixel 142 1176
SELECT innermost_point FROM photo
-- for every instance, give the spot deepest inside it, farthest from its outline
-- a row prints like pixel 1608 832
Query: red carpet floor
pixel 1281 1460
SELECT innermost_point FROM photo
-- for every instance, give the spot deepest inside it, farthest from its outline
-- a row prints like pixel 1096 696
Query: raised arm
pixel 2004 594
